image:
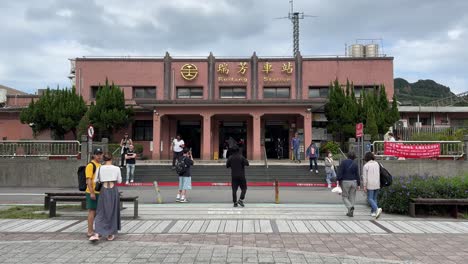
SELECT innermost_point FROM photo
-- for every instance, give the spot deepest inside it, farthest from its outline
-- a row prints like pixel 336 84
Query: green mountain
pixel 420 92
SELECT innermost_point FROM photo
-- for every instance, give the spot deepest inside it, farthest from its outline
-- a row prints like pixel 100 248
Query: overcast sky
pixel 428 38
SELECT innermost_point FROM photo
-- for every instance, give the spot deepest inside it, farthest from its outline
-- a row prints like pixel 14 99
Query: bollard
pixel 276 192
pixel 158 193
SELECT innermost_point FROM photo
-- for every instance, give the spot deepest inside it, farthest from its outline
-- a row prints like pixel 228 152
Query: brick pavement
pixel 234 248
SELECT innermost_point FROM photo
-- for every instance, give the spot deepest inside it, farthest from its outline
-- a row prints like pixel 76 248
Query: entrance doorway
pixel 233 133
pixel 275 131
pixel 190 131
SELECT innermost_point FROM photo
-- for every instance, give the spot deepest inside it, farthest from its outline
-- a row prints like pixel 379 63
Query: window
pixel 318 91
pixel 94 90
pixel 143 130
pixel 368 89
pixel 144 92
pixel 232 92
pixel 276 92
pixel 190 92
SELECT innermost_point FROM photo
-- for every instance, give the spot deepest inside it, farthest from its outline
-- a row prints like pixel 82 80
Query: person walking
pixel 91 195
pixel 178 145
pixel 349 179
pixel 237 164
pixel 313 153
pixel 107 222
pixel 124 146
pixel 130 157
pixel 330 169
pixel 279 148
pixel 371 183
pixel 185 176
pixel 295 146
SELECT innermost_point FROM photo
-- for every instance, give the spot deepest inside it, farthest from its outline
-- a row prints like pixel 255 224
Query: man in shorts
pixel 185 179
pixel 91 195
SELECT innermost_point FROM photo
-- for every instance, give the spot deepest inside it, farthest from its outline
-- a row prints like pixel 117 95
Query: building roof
pixel 433 109
pixel 11 91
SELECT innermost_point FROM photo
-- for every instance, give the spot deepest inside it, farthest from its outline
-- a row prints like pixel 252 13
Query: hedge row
pixel 396 198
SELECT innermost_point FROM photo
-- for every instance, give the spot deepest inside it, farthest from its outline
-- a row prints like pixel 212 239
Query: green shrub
pixel 332 146
pixel 396 198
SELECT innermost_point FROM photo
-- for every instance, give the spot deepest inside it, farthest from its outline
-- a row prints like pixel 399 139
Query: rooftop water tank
pixel 372 50
pixel 356 50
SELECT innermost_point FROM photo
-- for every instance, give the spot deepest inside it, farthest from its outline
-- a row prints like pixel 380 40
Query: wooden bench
pixel 54 199
pixel 436 201
pixel 49 195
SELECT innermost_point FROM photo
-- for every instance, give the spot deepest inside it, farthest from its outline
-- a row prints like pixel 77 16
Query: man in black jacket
pixel 237 163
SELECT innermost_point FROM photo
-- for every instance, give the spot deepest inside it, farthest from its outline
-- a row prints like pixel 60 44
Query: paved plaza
pixel 259 233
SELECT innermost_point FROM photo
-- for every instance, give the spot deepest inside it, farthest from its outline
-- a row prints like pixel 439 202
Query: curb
pixel 213 184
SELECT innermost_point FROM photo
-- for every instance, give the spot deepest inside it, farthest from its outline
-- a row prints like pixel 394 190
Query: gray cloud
pixel 427 37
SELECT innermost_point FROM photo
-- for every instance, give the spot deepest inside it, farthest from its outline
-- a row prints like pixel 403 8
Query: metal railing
pixel 40 148
pixel 448 149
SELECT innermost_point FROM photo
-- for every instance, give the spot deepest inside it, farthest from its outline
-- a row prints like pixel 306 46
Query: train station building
pixel 257 100
pixel 208 100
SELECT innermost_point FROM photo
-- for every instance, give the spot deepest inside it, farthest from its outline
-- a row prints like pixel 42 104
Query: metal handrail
pixel 266 158
pixel 40 148
pixel 448 149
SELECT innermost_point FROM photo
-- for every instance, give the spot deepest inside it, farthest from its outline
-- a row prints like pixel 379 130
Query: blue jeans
pixel 297 155
pixel 372 199
pixel 331 176
pixel 130 171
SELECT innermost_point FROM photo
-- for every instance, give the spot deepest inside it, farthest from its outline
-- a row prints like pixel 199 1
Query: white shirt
pixel 177 145
pixel 371 175
pixel 109 173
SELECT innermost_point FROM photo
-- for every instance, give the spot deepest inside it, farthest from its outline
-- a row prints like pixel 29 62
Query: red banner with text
pixel 411 151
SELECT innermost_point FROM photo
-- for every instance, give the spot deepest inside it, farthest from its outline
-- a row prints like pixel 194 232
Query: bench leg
pixel 46 202
pixel 455 211
pixel 135 209
pixel 53 208
pixel 412 209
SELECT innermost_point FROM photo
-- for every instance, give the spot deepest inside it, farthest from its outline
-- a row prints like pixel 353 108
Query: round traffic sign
pixel 91 131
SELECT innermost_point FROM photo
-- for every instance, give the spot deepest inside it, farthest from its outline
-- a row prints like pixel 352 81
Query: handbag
pixel 98 185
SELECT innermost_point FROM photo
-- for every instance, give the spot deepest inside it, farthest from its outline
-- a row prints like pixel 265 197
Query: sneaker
pixel 241 203
pixel 311 170
pixel 329 186
pixel 349 214
pixel 184 200
pixel 373 214
pixel 126 182
pixel 235 205
pixel 379 211
pixel 177 200
pixel 316 171
pixel 131 181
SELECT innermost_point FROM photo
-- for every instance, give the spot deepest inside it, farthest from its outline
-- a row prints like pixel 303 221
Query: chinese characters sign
pixel 411 151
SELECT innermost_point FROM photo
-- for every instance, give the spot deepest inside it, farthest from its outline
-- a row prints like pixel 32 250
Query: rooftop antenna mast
pixel 294 17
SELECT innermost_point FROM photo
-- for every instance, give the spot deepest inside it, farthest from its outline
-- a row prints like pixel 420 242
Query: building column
pixel 206 147
pixel 307 131
pixel 156 136
pixel 257 141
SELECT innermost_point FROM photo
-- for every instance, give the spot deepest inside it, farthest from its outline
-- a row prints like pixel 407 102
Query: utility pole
pixel 294 17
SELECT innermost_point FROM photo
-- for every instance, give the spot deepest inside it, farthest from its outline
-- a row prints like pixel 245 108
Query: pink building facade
pixel 208 100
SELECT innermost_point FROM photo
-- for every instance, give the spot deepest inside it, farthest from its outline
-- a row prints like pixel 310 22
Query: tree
pixel 371 126
pixel 109 113
pixel 394 114
pixel 59 110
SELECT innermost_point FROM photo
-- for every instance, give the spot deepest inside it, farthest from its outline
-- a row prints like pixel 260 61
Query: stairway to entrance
pixel 218 173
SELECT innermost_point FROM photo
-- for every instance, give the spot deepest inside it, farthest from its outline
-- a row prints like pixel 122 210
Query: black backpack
pixel 82 176
pixel 386 178
pixel 181 167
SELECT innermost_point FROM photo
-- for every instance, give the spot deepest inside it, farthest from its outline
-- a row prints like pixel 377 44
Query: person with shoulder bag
pixel 350 182
pixel 371 183
pixel 107 222
pixel 330 169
